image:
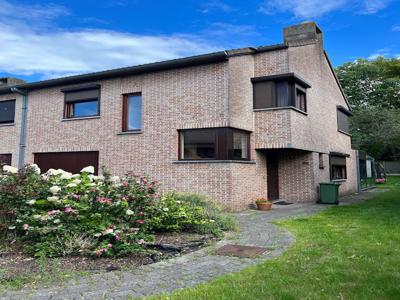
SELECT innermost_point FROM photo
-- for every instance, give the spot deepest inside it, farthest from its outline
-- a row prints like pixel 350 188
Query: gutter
pixel 22 135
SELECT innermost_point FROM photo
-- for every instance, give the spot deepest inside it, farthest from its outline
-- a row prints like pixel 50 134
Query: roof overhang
pixel 215 57
pixel 287 76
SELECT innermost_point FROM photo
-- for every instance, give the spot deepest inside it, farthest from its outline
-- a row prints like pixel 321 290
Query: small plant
pixel 262 200
pixel 263 203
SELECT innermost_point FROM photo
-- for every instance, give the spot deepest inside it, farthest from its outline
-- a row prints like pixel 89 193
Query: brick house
pixel 233 125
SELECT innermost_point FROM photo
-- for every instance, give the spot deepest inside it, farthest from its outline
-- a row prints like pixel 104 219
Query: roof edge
pixel 214 57
pixel 337 80
pixel 126 71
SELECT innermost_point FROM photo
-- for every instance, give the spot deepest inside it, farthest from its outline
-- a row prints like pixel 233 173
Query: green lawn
pixel 345 252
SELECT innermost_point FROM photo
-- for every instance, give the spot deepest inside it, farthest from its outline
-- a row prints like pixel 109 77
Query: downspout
pixel 22 135
pixel 358 171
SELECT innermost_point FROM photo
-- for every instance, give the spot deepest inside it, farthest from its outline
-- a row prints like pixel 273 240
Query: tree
pixel 373 90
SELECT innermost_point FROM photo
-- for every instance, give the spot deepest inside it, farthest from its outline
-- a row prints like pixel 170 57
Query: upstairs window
pixel 7 111
pixel 285 90
pixel 82 102
pixel 343 120
pixel 214 144
pixel 132 112
pixel 338 167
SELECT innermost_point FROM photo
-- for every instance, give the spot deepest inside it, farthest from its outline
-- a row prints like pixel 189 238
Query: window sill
pixel 80 118
pixel 280 108
pixel 130 132
pixel 7 124
pixel 348 134
pixel 338 180
pixel 213 161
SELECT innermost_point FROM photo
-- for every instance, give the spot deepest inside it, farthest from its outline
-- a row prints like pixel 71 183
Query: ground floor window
pixel 214 144
pixel 338 167
pixel 72 162
pixel 5 159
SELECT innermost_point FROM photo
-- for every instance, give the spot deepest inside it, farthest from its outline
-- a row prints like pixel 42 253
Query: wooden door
pixel 272 176
pixel 72 162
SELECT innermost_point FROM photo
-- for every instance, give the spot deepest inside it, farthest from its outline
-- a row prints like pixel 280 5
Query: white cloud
pixel 304 9
pixel 383 52
pixel 70 52
pixel 373 6
pixel 396 28
pixel 39 11
pixel 32 44
pixel 216 5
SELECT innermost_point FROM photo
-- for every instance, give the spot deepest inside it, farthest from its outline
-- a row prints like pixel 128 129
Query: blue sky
pixel 44 39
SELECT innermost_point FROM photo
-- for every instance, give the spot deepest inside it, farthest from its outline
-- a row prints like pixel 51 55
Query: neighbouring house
pixel 233 125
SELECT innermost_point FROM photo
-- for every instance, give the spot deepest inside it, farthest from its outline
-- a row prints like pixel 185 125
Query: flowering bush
pixel 59 213
pixel 110 214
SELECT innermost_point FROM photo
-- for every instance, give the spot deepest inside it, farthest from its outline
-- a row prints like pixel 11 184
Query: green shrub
pixel 191 213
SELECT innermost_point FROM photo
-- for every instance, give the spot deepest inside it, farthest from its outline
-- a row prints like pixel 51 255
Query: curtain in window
pixel 282 94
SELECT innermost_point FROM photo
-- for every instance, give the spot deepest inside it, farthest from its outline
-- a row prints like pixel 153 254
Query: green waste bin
pixel 328 193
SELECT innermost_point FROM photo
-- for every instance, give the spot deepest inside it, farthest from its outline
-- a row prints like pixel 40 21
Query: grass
pixel 345 252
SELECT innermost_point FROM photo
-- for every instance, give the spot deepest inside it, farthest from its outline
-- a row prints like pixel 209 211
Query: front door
pixel 272 176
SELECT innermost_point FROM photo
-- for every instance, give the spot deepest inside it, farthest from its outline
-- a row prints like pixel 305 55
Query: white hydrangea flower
pixel 53 198
pixel 57 221
pixel 89 169
pixel 37 217
pixel 36 168
pixel 129 212
pixel 11 227
pixel 66 175
pixel 108 231
pixel 70 185
pixel 165 209
pixel 76 181
pixel 55 189
pixel 53 172
pixel 97 234
pixel 10 169
pixel 31 202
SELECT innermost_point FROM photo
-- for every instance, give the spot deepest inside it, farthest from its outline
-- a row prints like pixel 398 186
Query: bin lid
pixel 329 183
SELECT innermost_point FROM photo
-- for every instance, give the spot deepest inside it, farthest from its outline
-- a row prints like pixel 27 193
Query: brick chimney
pixel 302 34
pixel 10 81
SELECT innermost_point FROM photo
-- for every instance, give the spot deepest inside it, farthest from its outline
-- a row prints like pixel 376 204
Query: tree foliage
pixel 373 90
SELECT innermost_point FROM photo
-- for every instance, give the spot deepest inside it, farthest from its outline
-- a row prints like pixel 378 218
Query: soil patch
pixel 15 264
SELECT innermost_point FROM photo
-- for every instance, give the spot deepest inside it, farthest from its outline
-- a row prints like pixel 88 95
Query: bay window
pixel 286 90
pixel 214 144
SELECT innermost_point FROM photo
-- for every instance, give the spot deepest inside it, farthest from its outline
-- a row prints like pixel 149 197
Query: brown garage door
pixel 68 161
pixel 5 159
